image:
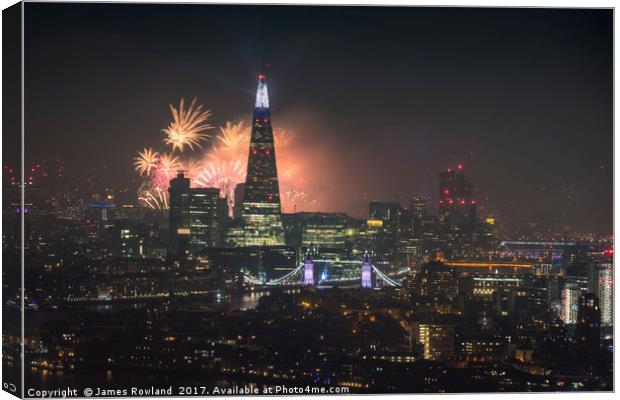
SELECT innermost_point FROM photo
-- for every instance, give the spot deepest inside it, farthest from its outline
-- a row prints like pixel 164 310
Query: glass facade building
pixel 261 210
pixel 207 216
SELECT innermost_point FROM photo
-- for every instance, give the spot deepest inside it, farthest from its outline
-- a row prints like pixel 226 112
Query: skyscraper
pixel 588 332
pixel 418 207
pixel 238 205
pixel 261 211
pixel 601 280
pixel 390 215
pixel 197 216
pixel 179 214
pixel 417 212
pixel 570 303
pixel 457 213
pixel 207 216
pixel 456 201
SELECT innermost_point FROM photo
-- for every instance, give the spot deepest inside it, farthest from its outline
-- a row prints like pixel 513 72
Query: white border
pixel 478 3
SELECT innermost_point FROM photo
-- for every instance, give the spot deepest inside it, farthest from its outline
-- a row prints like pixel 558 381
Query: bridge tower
pixel 366 272
pixel 308 270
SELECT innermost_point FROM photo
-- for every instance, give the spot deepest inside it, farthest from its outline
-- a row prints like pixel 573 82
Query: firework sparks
pixel 191 168
pixel 234 138
pixel 169 165
pixel 221 173
pixel 167 168
pixel 294 190
pixel 282 138
pixel 225 163
pixel 146 161
pixel 187 126
pixel 224 175
pixel 153 197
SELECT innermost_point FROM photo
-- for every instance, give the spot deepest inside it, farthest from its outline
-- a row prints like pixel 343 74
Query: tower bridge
pixel 306 274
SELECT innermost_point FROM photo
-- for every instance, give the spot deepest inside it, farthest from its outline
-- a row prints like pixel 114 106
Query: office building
pixel 179 214
pixel 207 217
pixel 457 205
pixel 601 283
pixel 588 332
pixel 436 339
pixel 197 217
pixel 570 303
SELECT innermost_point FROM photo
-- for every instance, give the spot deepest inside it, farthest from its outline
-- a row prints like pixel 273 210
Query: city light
pixel 313 242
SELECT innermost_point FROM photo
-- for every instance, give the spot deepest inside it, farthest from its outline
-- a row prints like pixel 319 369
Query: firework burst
pixel 234 138
pixel 295 197
pixel 166 169
pixel 187 126
pixel 153 197
pixel 146 161
pixel 221 173
pixel 191 168
pixel 225 164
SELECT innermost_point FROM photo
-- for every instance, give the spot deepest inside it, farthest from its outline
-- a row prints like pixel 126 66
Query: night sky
pixel 381 98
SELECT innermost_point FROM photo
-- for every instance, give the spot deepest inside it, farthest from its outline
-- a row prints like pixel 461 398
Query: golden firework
pixel 187 126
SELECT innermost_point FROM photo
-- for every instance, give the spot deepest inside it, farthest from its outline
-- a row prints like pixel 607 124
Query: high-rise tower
pixel 197 217
pixel 261 212
pixel 179 214
pixel 456 201
pixel 588 331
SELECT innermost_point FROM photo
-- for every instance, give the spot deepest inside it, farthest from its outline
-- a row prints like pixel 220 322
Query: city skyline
pixel 407 200
pixel 452 116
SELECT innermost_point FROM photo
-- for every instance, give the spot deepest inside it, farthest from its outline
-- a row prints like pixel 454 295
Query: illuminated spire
pixel 261 212
pixel 262 97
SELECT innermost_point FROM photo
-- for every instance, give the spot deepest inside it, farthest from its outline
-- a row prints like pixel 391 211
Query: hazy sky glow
pixel 380 98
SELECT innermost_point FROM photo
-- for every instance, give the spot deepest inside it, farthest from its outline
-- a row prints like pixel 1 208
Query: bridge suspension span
pixel 300 275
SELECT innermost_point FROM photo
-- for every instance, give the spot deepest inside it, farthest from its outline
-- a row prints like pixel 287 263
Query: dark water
pixel 38 379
